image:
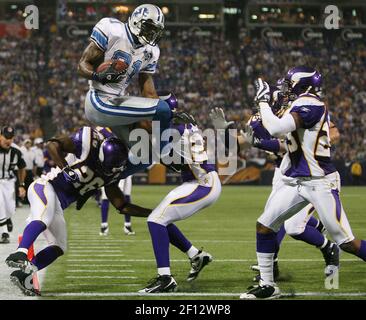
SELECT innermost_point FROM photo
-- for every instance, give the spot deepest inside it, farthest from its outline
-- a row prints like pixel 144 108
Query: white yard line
pixel 95 255
pixel 215 260
pixel 73 285
pixel 100 277
pixel 72 251
pixel 199 294
pixel 98 265
pixel 103 243
pixel 100 271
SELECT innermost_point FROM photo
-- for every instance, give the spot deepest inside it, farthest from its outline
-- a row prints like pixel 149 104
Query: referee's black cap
pixel 8 132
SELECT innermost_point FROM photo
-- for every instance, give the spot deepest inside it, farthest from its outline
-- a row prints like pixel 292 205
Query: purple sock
pixel 311 236
pixel 267 243
pixel 313 222
pixel 160 240
pixel 362 252
pixel 46 256
pixel 105 208
pixel 178 239
pixel 31 232
pixel 280 235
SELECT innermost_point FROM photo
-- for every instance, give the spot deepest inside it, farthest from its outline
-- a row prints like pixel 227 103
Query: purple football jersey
pixel 86 165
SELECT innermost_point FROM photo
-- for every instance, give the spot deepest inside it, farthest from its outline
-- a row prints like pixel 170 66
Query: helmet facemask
pixel 150 32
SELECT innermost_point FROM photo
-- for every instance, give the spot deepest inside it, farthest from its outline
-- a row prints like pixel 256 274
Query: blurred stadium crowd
pixel 204 71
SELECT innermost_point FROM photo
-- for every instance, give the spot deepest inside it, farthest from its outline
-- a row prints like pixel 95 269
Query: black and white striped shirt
pixel 10 160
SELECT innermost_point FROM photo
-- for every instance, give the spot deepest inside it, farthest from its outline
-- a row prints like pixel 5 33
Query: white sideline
pixel 198 294
pixel 7 290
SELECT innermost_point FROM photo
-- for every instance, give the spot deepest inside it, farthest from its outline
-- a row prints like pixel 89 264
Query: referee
pixel 10 159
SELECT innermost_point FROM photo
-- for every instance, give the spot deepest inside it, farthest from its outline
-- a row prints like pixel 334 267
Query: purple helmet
pixel 113 156
pixel 302 80
pixel 169 98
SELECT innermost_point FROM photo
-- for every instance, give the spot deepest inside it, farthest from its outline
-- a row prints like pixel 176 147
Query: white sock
pixel 104 225
pixel 164 271
pixel 192 251
pixel 265 263
pixel 3 229
pixel 24 250
pixel 127 224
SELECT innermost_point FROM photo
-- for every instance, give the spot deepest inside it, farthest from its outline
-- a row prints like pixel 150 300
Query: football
pixel 120 65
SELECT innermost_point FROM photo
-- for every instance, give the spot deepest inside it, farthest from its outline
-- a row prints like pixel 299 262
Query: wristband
pixel 95 77
pixel 272 145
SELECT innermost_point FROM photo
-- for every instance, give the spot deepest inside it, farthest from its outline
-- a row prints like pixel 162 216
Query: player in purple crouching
pixel 93 162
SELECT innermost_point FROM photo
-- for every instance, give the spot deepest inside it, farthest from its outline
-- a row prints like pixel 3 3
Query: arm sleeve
pixel 100 34
pixel 271 145
pixel 276 127
pixel 153 62
pixel 132 169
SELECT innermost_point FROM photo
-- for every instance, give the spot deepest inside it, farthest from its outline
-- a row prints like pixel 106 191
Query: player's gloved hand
pixel 263 93
pixel 109 75
pixel 181 117
pixel 217 116
pixel 70 175
pixel 247 134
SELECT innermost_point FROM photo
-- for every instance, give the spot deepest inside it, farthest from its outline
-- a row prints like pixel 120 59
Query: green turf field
pixel 117 266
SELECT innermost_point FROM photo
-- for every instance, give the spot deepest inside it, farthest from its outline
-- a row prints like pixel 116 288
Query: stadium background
pixel 211 53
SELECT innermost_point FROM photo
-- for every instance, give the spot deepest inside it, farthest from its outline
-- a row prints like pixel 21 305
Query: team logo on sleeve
pixel 147 55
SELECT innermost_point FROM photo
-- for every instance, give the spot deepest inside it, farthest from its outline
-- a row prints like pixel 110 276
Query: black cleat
pixel 20 260
pixel 261 292
pixel 276 272
pixel 5 238
pixel 331 257
pixel 198 262
pixel 9 225
pixel 164 283
pixel 104 231
pixel 24 281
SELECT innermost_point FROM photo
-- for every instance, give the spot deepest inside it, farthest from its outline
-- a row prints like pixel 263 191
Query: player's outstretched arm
pixel 147 86
pixel 275 126
pixel 58 147
pixel 117 198
pixel 91 57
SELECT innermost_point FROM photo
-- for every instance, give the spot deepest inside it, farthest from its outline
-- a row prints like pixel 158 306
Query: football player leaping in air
pixel 134 42
pixel 308 174
pixel 303 225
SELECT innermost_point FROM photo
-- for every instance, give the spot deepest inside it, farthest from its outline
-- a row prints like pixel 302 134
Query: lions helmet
pixel 113 156
pixel 301 80
pixel 147 24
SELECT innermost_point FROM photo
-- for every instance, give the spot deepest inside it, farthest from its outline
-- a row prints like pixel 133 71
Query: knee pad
pixel 163 112
pixel 293 230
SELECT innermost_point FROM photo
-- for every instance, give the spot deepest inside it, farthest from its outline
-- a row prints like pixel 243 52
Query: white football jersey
pixel 309 146
pixel 115 39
